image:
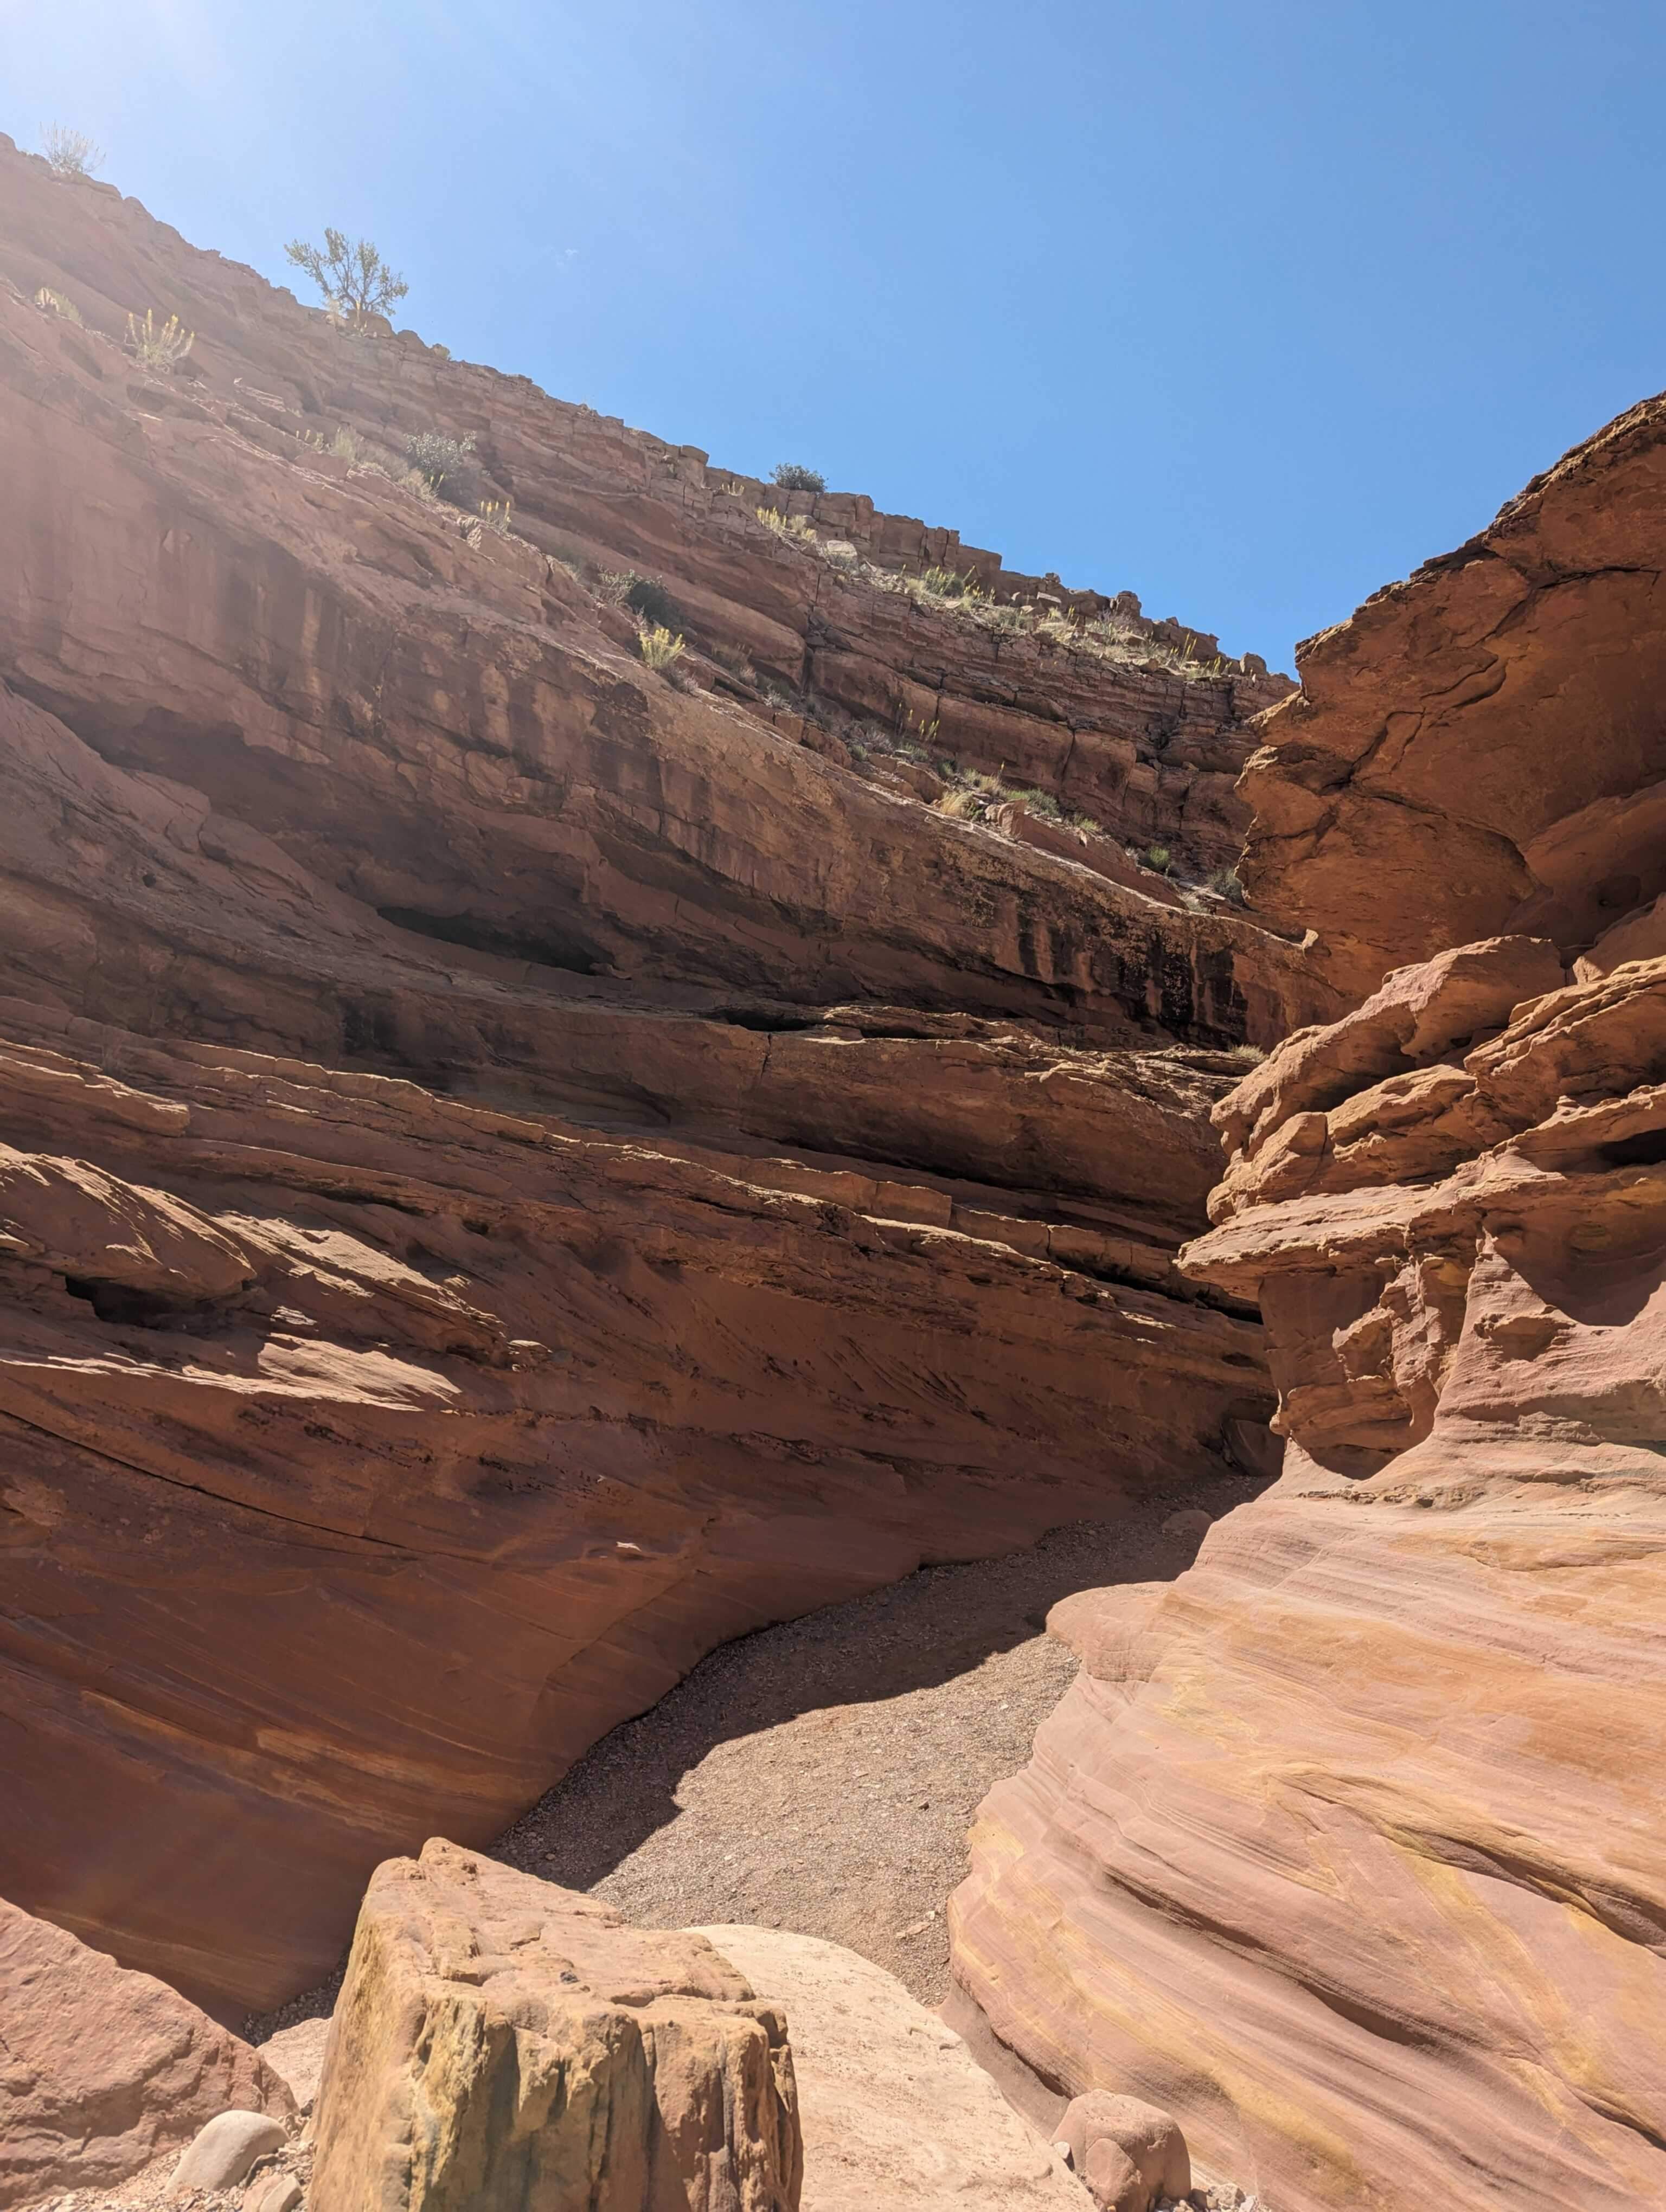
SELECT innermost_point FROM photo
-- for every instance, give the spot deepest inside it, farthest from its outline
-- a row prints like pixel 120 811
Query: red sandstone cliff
pixel 1347 1847
pixel 514 1171
pixel 1479 749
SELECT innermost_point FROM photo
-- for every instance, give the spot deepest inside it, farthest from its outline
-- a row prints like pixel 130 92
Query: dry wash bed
pixel 821 1775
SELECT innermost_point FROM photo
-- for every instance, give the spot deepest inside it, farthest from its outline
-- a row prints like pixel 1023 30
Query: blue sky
pixel 1246 307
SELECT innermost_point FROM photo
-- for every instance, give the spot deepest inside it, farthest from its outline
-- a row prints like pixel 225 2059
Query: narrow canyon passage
pixel 821 1775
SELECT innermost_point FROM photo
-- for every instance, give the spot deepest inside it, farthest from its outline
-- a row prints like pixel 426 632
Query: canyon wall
pixel 1347 1847
pixel 517 1169
pixel 1478 750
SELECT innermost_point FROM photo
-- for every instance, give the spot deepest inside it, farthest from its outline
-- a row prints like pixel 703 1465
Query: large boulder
pixel 896 2111
pixel 1131 2155
pixel 103 2072
pixel 505 2046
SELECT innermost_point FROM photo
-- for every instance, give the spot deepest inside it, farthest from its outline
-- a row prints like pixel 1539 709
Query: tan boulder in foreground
pixel 103 2071
pixel 896 2112
pixel 505 2046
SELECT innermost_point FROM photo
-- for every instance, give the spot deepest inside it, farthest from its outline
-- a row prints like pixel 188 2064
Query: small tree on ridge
pixel 71 153
pixel 356 282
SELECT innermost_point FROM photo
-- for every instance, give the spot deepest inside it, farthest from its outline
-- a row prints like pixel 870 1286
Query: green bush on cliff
pixel 439 459
pixel 793 475
pixel 644 596
pixel 357 284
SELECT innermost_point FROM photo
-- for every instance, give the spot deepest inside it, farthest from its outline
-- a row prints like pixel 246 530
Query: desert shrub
pixel 645 596
pixel 1087 823
pixel 1041 802
pixel 444 351
pixel 1158 857
pixel 356 282
pixel 785 525
pixel 1012 615
pixel 345 446
pixel 436 457
pixel 971 795
pixel 71 153
pixel 56 304
pixel 658 647
pixel 793 475
pixel 495 515
pixel 1225 882
pixel 158 345
pixel 962 804
pixel 949 584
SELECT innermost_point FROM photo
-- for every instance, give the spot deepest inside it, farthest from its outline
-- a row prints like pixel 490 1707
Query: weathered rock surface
pixel 1477 751
pixel 515 1171
pixel 1346 1848
pixel 895 2110
pixel 102 2071
pixel 508 2047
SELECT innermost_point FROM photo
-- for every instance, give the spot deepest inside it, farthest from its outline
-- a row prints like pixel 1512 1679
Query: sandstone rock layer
pixel 503 2045
pixel 103 2073
pixel 1346 1848
pixel 515 1171
pixel 1478 750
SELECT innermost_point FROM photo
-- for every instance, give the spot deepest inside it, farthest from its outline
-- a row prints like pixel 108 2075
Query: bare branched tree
pixel 71 153
pixel 356 282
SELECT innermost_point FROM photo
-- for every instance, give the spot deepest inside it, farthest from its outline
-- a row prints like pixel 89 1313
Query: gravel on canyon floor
pixel 821 1775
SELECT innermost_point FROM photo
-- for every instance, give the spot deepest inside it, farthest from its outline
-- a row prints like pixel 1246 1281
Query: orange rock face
pixel 1477 750
pixel 1347 1849
pixel 513 1171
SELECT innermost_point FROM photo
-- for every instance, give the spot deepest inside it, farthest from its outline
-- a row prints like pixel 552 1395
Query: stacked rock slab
pixel 1355 1831
pixel 105 2072
pixel 503 2045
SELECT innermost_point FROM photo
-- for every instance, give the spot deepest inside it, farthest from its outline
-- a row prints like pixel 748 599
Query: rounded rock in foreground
pixel 221 2155
pixel 1191 1522
pixel 1130 2155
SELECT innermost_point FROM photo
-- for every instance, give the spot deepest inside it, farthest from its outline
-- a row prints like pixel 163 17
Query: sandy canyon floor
pixel 820 1775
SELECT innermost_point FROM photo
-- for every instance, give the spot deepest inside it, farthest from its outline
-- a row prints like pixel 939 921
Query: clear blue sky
pixel 1248 306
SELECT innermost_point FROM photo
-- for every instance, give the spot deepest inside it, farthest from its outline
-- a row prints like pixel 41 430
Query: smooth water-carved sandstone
pixel 1355 1830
